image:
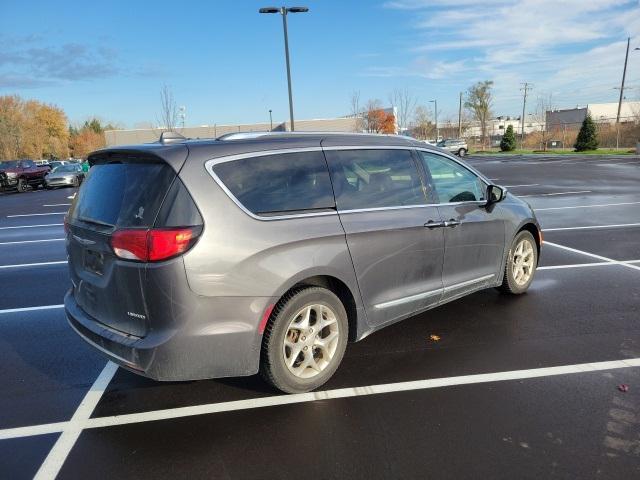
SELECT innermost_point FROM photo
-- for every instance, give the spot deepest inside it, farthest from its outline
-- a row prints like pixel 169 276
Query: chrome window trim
pixel 209 164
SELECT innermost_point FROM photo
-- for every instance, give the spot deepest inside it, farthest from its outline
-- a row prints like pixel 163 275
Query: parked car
pixel 20 174
pixel 453 145
pixel 67 175
pixel 57 163
pixel 269 252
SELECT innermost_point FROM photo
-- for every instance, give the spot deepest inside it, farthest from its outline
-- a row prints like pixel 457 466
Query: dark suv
pixel 263 252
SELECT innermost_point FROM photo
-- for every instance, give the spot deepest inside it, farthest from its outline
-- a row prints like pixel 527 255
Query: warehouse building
pixel 600 112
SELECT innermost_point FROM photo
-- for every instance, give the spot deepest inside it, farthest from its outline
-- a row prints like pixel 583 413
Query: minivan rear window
pixel 122 194
pixel 279 184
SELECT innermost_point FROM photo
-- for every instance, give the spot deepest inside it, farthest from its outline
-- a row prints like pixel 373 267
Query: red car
pixel 19 174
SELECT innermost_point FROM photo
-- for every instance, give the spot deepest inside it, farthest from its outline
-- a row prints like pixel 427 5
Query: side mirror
pixel 495 194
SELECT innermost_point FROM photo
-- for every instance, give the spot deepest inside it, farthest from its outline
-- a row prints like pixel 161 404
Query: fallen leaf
pixel 623 387
pixel 434 338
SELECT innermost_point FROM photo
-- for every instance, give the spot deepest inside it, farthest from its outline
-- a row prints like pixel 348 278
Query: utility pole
pixel 526 86
pixel 270 120
pixel 624 74
pixel 460 117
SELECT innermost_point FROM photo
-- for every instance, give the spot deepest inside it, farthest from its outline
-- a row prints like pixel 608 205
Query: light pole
pixel 284 11
pixel 270 121
pixel 435 102
pixel 624 75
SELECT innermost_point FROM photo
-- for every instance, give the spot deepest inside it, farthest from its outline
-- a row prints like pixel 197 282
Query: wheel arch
pixel 534 230
pixel 340 289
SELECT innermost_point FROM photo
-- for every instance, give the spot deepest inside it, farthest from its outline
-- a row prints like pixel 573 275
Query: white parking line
pixel 582 265
pixel 529 185
pixel 31 309
pixel 592 227
pixel 552 194
pixel 36 214
pixel 587 206
pixel 593 255
pixel 39 264
pixel 58 205
pixel 58 454
pixel 33 241
pixel 180 412
pixel 33 226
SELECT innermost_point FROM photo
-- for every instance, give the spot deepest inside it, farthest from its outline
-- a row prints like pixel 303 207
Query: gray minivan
pixel 195 259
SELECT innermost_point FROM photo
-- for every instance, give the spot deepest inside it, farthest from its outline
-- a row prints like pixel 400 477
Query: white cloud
pixel 571 48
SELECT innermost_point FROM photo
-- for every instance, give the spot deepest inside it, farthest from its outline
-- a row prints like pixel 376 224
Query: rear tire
pixel 304 341
pixel 522 261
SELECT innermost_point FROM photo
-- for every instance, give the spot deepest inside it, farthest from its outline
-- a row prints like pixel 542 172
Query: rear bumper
pixel 219 339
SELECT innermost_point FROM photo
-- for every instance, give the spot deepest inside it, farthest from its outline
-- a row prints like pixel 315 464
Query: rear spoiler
pixel 174 155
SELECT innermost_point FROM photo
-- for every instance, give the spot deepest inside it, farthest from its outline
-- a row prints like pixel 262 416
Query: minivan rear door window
pixel 375 178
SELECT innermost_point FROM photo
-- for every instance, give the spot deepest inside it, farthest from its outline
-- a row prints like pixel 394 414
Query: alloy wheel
pixel 311 340
pixel 522 262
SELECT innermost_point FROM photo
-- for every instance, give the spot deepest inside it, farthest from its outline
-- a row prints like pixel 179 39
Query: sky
pixel 224 62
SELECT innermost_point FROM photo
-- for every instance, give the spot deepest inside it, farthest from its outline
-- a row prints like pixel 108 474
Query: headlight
pixel 11 174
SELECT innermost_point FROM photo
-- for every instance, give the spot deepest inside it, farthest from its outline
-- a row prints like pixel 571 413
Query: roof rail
pixel 171 137
pixel 249 135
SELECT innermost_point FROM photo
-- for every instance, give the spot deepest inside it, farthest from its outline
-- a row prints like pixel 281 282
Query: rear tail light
pixel 154 244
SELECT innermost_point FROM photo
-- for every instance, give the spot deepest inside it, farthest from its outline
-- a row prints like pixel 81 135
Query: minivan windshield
pixel 122 194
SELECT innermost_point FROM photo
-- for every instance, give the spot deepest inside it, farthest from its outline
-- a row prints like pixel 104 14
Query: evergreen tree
pixel 587 137
pixel 508 142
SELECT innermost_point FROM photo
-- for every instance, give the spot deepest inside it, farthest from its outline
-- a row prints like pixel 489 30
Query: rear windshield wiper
pixel 96 222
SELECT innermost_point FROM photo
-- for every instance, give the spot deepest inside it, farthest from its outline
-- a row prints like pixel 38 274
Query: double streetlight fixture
pixel 284 11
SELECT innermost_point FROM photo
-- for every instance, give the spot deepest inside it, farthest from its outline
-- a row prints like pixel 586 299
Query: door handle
pixel 431 224
pixel 452 223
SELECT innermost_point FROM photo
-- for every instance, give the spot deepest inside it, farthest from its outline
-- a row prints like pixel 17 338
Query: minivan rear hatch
pixel 124 192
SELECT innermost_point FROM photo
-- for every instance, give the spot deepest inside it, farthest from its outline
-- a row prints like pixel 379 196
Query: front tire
pixel 522 261
pixel 304 341
pixel 22 185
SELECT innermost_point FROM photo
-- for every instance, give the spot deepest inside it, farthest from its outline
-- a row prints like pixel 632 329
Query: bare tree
pixel 356 111
pixel 423 128
pixel 404 103
pixel 479 101
pixel 168 110
pixel 543 105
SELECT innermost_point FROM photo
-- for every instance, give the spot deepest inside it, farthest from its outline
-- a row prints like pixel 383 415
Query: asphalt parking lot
pixel 523 387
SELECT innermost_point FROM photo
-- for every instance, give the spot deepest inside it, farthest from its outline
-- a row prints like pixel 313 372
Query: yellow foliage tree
pixel 32 129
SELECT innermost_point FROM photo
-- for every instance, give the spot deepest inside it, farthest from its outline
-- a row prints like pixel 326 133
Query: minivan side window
pixel 452 182
pixel 374 178
pixel 285 183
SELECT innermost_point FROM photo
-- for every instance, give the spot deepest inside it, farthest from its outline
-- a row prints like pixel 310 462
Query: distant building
pixel 146 135
pixel 498 125
pixel 349 123
pixel 600 112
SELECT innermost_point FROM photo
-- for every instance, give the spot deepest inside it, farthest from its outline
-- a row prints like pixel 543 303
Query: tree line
pixel 36 130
